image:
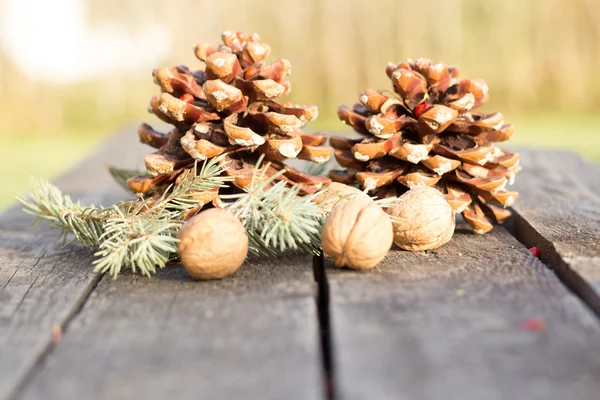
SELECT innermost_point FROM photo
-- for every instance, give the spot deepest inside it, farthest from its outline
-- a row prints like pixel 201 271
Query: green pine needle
pixel 276 218
pixel 135 241
pixel 141 235
pixel 122 175
pixel 48 203
pixel 318 169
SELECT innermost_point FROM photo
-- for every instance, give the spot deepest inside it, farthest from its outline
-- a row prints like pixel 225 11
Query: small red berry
pixel 535 251
pixel 251 70
pixel 533 324
pixel 188 98
pixel 420 109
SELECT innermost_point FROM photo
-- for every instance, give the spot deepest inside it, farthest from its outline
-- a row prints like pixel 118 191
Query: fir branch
pixel 122 175
pixel 140 235
pixel 48 203
pixel 137 242
pixel 276 218
pixel 143 235
pixel 181 196
pixel 318 169
pixel 125 235
pixel 386 204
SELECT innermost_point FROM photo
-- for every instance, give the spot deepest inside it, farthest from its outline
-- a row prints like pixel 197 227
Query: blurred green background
pixel 74 71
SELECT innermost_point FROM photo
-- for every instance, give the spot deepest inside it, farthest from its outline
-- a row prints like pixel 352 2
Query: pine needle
pixel 276 218
pixel 137 242
pixel 122 175
pixel 318 169
pixel 48 203
pixel 141 235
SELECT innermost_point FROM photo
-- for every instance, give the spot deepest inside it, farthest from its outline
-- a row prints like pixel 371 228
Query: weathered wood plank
pixel 34 295
pixel 250 336
pixel 559 212
pixel 448 324
pixel 41 282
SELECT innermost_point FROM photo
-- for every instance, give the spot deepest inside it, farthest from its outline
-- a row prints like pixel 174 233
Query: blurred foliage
pixel 539 58
pixel 29 154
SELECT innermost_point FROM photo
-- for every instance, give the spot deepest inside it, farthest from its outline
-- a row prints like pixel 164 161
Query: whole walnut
pixel 337 192
pixel 213 244
pixel 357 234
pixel 422 219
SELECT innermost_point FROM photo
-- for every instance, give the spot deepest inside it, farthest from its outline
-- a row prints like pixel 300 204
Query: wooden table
pixel 479 318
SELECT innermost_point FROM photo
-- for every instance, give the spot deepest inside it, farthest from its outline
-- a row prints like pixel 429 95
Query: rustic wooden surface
pixel 450 323
pixel 41 283
pixel 559 212
pixel 254 336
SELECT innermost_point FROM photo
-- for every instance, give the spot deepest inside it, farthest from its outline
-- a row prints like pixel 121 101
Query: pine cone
pixel 427 134
pixel 229 110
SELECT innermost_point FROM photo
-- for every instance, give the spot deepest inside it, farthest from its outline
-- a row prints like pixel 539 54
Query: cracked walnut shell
pixel 422 219
pixel 213 244
pixel 357 234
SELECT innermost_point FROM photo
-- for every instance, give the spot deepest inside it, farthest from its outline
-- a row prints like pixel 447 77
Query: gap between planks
pixel 51 345
pixel 324 316
pixel 526 234
pixel 44 285
pixel 320 297
pixel 49 350
pixel 322 301
pixel 448 323
pixel 259 338
pixel 559 212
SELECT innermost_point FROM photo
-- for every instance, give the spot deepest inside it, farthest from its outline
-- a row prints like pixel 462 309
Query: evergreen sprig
pixel 135 240
pixel 47 202
pixel 142 234
pixel 276 218
pixel 121 175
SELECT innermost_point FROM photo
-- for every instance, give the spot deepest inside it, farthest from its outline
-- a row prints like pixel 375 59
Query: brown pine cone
pixel 229 109
pixel 427 134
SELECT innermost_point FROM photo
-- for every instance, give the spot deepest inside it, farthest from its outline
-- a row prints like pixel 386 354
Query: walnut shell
pixel 213 244
pixel 337 192
pixel 422 219
pixel 357 234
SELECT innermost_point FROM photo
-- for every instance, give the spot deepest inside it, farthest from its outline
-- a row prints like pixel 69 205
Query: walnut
pixel 422 219
pixel 213 244
pixel 336 192
pixel 357 234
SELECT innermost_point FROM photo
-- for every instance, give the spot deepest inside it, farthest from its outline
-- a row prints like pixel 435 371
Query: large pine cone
pixel 229 109
pixel 427 134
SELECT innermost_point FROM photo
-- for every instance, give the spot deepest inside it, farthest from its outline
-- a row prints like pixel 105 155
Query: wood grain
pixel 254 336
pixel 559 212
pixel 450 323
pixel 455 323
pixel 250 336
pixel 42 284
